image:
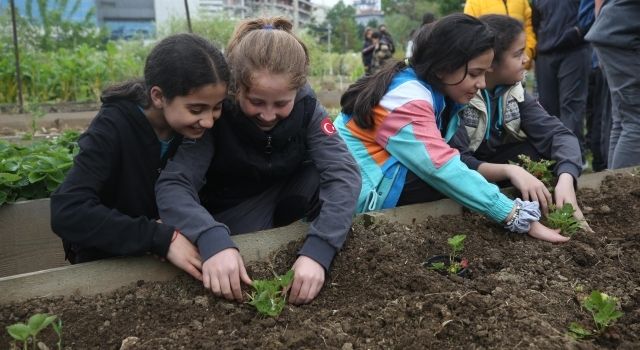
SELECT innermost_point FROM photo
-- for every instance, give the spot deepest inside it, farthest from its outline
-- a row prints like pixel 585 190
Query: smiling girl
pixel 106 205
pixel 393 124
pixel 503 121
pixel 273 158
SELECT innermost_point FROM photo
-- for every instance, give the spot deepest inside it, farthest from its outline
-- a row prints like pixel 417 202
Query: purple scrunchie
pixel 526 212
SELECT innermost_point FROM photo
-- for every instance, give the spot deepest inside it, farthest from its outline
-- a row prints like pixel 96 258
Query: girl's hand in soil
pixel 530 187
pixel 308 278
pixel 183 254
pixel 565 193
pixel 544 233
pixel 223 272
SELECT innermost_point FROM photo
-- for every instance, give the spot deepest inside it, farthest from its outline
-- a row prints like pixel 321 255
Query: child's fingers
pixel 193 271
pixel 295 291
pixel 244 276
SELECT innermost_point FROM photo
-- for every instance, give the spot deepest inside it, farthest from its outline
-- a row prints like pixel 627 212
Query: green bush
pixel 71 75
pixel 34 171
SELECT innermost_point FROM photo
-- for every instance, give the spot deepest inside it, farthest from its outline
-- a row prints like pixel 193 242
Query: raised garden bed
pixel 522 293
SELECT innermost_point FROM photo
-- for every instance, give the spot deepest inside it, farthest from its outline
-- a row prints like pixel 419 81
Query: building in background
pixel 123 18
pixel 299 11
pixel 367 11
pixel 128 19
pixel 85 6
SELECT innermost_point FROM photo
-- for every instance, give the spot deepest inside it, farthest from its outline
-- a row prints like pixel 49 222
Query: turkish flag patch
pixel 327 126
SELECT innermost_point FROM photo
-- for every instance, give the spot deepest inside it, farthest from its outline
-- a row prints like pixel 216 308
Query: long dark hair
pixel 177 65
pixel 507 30
pixel 440 49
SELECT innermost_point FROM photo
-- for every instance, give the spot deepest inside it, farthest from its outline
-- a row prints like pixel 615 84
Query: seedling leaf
pixel 562 218
pixel 19 331
pixel 436 266
pixel 456 243
pixel 578 332
pixel 39 322
pixel 602 308
pixel 268 298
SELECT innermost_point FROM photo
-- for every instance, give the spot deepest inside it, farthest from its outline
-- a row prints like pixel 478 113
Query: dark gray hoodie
pixel 183 177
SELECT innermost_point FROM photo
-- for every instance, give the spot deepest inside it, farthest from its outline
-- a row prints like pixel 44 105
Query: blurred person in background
pixel 616 38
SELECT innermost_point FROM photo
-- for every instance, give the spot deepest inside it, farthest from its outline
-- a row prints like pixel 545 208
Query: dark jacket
pixel 617 25
pixel 545 132
pixel 556 25
pixel 106 205
pixel 367 52
pixel 305 134
pixel 254 161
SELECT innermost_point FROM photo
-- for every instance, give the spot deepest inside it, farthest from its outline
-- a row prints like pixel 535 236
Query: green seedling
pixel 24 332
pixel 603 309
pixel 57 327
pixel 268 297
pixel 456 243
pixel 540 169
pixel 577 331
pixel 563 219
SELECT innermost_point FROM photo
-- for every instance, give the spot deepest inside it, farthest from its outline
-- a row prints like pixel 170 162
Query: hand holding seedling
pixel 183 254
pixel 562 219
pixel 307 281
pixel 531 188
pixel 269 297
pixel 223 272
pixel 565 193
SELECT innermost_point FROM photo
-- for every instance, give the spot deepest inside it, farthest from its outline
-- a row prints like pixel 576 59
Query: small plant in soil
pixel 28 333
pixel 603 309
pixel 268 297
pixel 452 266
pixel 563 219
pixel 540 169
pixel 57 327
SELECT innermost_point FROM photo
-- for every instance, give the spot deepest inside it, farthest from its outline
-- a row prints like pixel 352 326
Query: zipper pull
pixel 268 148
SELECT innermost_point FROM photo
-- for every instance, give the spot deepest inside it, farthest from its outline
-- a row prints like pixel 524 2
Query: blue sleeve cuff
pixel 501 209
pixel 212 242
pixel 318 250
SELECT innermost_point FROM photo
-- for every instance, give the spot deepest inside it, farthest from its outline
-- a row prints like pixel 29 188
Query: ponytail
pixel 360 98
pixel 132 90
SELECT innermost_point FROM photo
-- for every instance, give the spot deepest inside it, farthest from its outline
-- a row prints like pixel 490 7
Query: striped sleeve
pixel 411 135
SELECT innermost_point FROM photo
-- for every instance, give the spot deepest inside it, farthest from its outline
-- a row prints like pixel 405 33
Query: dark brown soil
pixel 522 293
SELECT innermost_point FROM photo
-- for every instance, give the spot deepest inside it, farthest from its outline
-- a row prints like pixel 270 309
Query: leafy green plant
pixel 456 243
pixel 28 332
pixel 563 219
pixel 540 169
pixel 268 298
pixel 36 170
pixel 603 309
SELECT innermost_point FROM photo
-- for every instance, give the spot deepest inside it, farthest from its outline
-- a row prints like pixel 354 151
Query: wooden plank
pixel 28 244
pixel 107 275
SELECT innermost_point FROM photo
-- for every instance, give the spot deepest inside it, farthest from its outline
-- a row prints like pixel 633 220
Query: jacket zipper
pixel 268 150
pixel 505 6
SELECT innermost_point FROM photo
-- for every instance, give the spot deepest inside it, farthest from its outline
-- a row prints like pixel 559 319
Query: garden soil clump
pixel 521 293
